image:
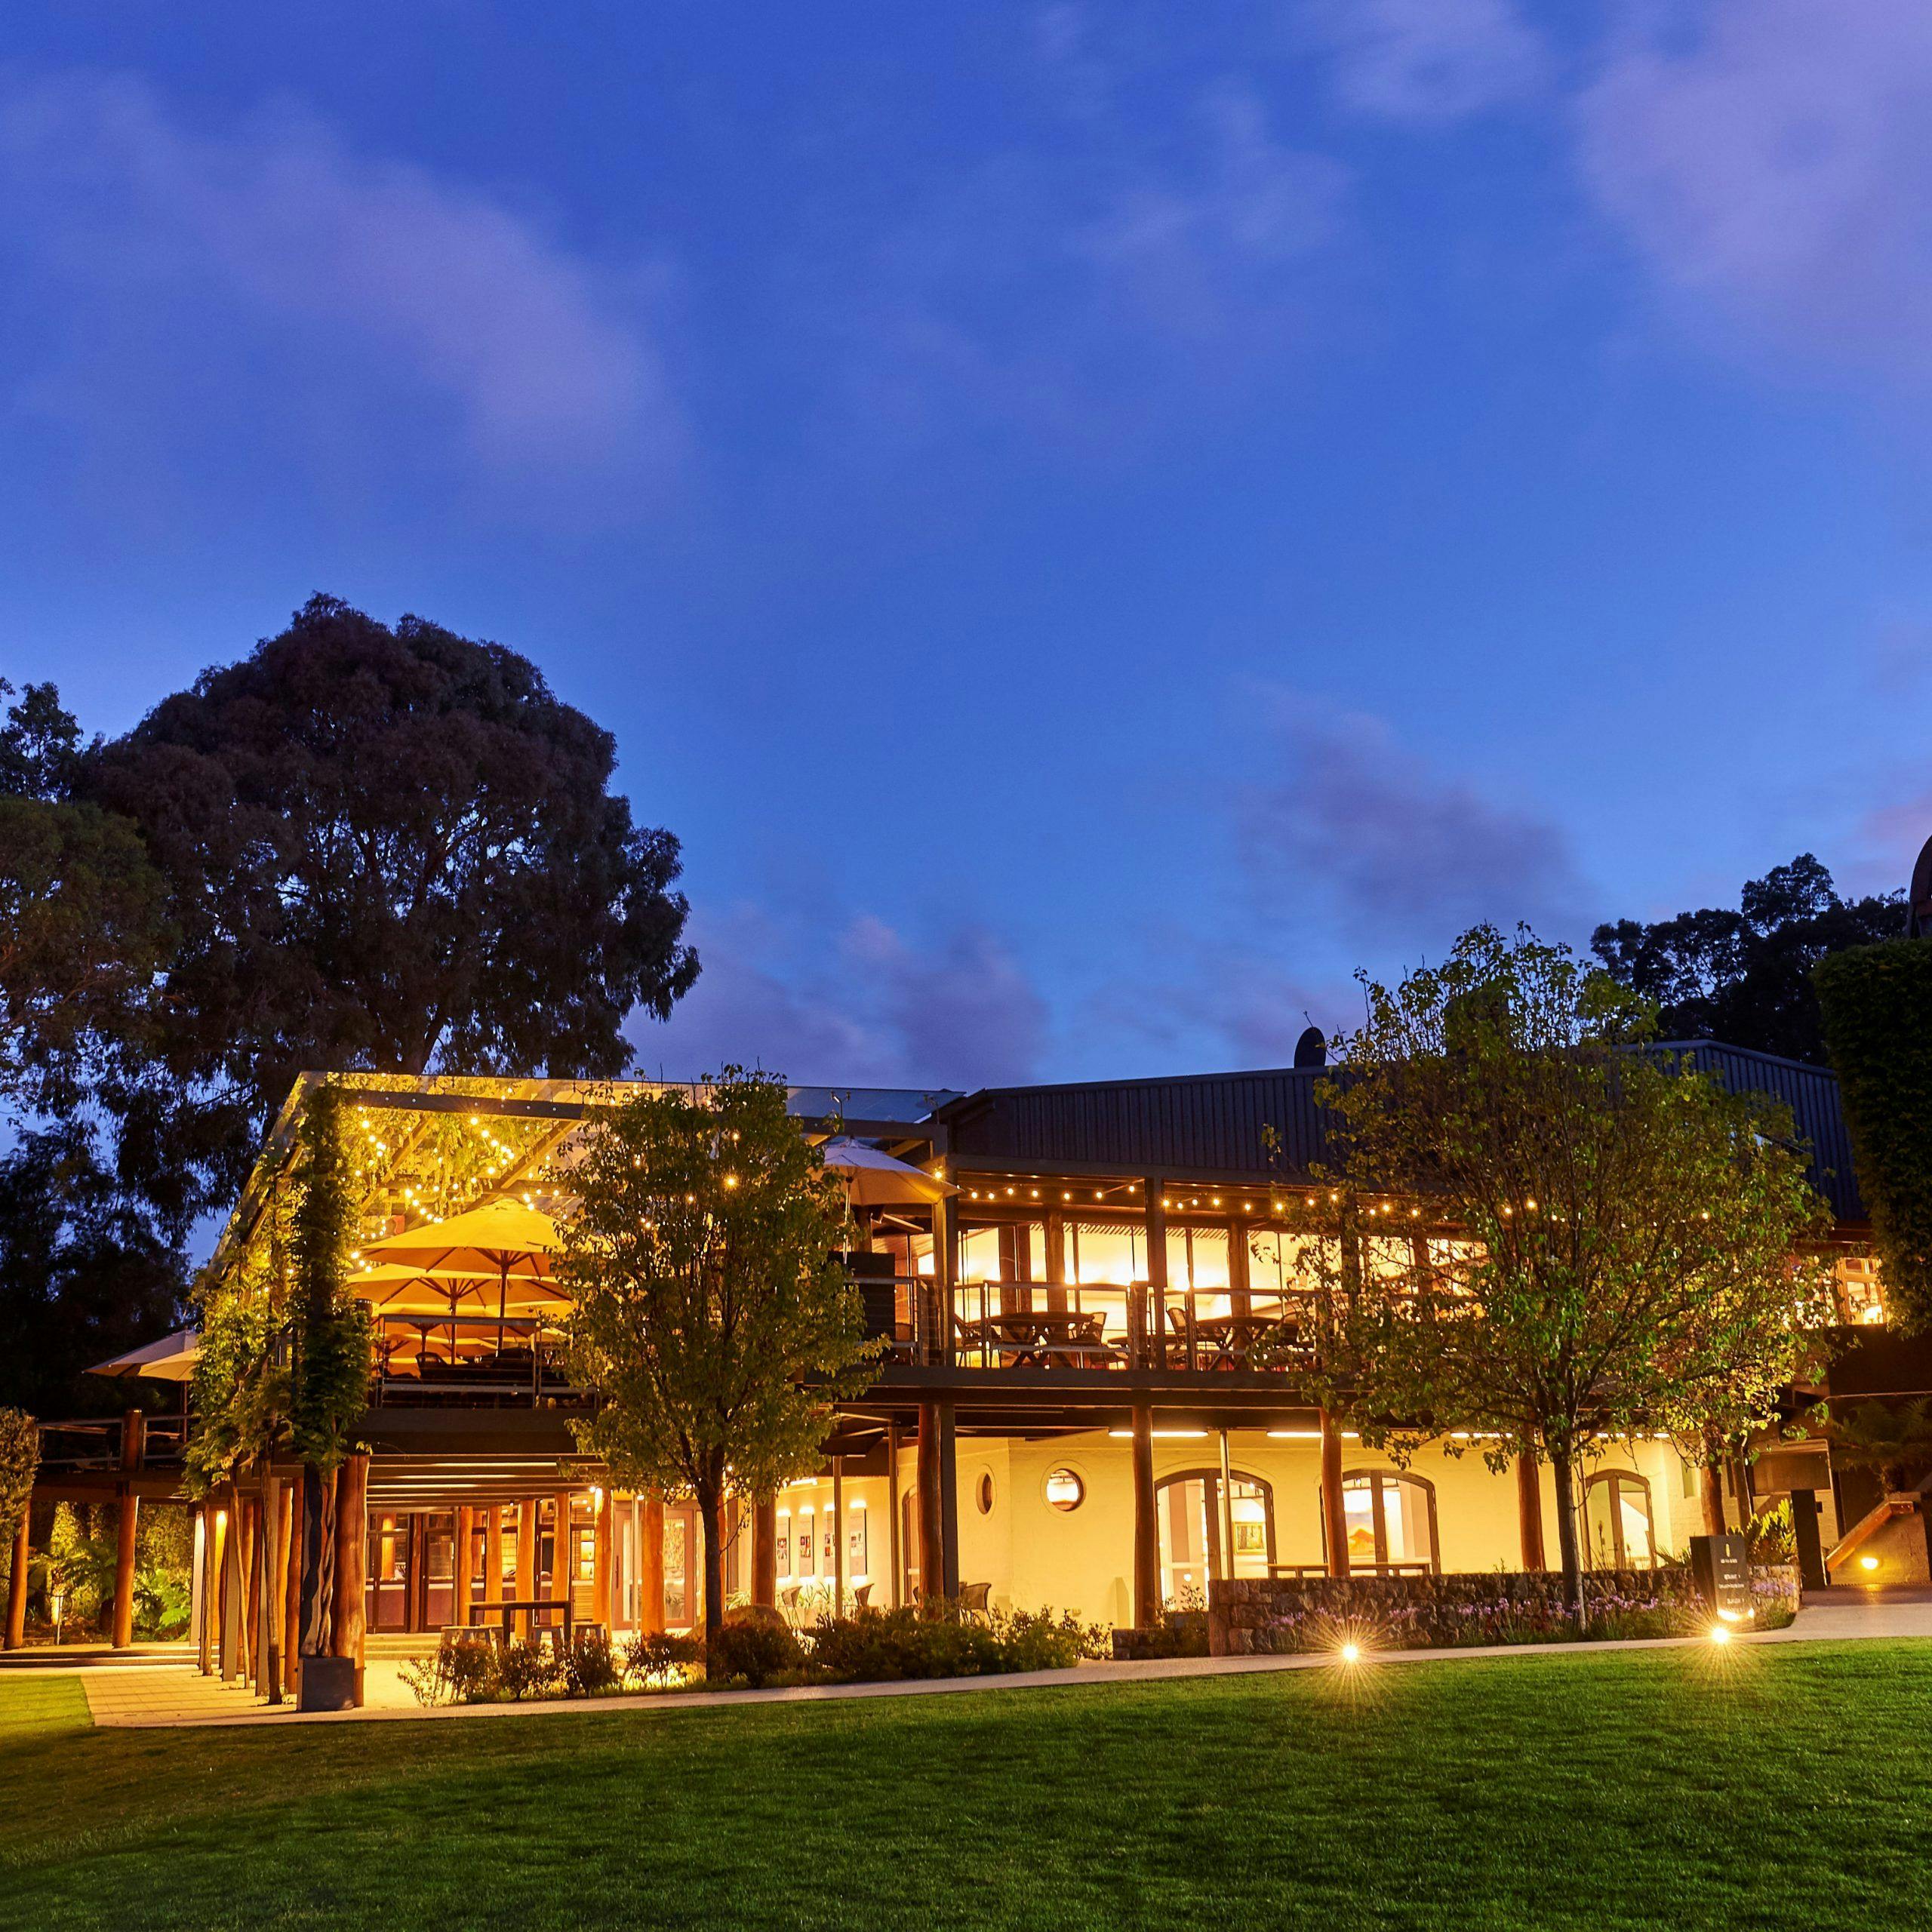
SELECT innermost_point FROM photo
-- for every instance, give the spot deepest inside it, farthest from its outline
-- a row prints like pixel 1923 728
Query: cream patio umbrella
pixel 500 1241
pixel 171 1359
pixel 875 1180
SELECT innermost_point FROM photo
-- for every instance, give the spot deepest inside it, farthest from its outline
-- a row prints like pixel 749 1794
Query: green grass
pixel 1785 1786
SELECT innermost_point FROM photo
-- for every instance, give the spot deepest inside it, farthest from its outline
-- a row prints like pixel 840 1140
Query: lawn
pixel 1786 1786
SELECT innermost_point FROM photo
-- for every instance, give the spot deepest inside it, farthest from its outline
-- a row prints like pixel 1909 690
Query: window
pixel 1389 1519
pixel 1617 1521
pixel 1188 1508
pixel 983 1492
pixel 1065 1490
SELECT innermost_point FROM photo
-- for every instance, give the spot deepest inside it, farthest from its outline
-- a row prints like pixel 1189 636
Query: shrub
pixel 527 1667
pixel 463 1671
pixel 589 1665
pixel 755 1653
pixel 874 1646
pixel 660 1657
pixel 1772 1539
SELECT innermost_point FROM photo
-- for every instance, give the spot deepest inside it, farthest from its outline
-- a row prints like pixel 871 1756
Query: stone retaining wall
pixel 1300 1613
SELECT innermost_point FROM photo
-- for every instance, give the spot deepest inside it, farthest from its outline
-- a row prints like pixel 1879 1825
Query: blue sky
pixel 1090 522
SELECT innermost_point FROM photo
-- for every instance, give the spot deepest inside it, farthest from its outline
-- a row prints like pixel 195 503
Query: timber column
pixel 1146 1524
pixel 460 1571
pixel 765 1551
pixel 351 1544
pixel 524 1621
pixel 1529 1509
pixel 650 1565
pixel 17 1582
pixel 134 1450
pixel 932 1522
pixel 1155 1344
pixel 1334 1514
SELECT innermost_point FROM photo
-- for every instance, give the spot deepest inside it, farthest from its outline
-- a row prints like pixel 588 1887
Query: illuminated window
pixel 983 1494
pixel 1389 1519
pixel 1857 1289
pixel 1188 1508
pixel 1065 1490
pixel 1617 1521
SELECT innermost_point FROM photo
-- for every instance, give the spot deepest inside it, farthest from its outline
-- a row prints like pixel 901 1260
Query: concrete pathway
pixel 149 1693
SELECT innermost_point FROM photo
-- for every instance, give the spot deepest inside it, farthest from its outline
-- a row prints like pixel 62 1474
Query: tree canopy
pixel 1625 1258
pixel 709 1309
pixel 1743 975
pixel 84 1275
pixel 390 848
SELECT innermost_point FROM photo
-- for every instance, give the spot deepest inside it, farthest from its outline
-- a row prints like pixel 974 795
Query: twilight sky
pixel 1089 521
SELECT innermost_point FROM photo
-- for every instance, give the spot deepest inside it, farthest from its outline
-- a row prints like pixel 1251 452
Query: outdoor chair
pixel 973 1598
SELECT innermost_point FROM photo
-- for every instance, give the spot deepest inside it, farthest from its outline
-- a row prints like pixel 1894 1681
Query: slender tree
pixel 1627 1258
pixel 709 1310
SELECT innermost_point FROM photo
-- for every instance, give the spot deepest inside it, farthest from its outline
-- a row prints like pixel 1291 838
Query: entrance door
pixel 680 1582
pixel 386 1598
pixel 1189 1509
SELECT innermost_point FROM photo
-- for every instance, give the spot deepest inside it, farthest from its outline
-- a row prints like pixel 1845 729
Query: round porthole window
pixel 984 1494
pixel 1065 1490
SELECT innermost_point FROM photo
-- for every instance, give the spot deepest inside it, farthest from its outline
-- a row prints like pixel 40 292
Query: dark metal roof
pixel 1211 1124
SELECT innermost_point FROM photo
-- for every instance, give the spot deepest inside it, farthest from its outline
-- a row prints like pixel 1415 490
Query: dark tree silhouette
pixel 1744 976
pixel 388 848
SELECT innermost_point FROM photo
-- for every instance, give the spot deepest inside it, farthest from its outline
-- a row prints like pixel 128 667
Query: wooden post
pixel 1056 1263
pixel 838 1537
pixel 1226 1512
pixel 268 1587
pixel 1156 1329
pixel 562 1569
pixel 526 1559
pixel 460 1571
pixel 251 1582
pixel 1146 1525
pixel 892 1511
pixel 134 1445
pixel 282 1497
pixel 416 1612
pixel 932 1535
pixel 650 1566
pixel 949 1502
pixel 1335 1516
pixel 492 1554
pixel 17 1582
pixel 352 1545
pixel 1529 1509
pixel 1239 1300
pixel 945 1275
pixel 232 1548
pixel 604 1503
pixel 765 1550
pixel 209 1653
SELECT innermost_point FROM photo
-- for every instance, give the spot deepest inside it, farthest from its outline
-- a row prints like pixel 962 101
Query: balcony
pixel 469 1361
pixel 1087 1328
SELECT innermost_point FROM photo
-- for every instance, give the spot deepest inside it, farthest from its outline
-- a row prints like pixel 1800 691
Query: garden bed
pixel 1254 1616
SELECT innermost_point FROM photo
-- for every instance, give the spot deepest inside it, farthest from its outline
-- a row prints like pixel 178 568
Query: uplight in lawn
pixel 1867 1563
pixel 1352 1653
pixel 1720 1633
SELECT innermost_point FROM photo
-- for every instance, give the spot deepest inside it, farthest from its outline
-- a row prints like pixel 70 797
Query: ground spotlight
pixel 1719 1633
pixel 1352 1653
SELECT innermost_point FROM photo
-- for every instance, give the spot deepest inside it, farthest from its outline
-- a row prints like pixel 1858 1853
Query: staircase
pixel 396 1646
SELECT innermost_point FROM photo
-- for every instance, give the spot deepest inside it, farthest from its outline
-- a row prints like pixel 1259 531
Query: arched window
pixel 1389 1518
pixel 1618 1525
pixel 1188 1505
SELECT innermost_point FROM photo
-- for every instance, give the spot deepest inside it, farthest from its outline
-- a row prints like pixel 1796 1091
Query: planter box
pixel 330 1684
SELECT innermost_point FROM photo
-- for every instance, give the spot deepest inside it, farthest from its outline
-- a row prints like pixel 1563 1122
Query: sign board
pixel 1721 1565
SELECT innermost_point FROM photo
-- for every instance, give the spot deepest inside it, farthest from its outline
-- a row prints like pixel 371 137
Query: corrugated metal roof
pixel 1212 1123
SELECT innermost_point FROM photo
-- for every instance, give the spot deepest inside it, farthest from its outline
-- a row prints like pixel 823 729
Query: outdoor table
pixel 1231 1337
pixel 491 1612
pixel 1028 1337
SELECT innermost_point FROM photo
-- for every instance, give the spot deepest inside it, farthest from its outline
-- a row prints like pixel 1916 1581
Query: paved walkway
pixel 151 1692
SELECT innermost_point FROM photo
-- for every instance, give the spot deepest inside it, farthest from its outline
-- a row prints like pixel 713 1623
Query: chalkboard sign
pixel 1721 1565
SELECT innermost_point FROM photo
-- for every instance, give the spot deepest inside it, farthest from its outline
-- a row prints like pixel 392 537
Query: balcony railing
pixel 469 1360
pixel 1090 1327
pixel 71 1448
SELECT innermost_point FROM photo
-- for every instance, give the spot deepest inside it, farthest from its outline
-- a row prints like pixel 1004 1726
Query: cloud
pixel 167 237
pixel 871 1008
pixel 1428 62
pixel 1775 174
pixel 1397 850
pixel 1074 288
